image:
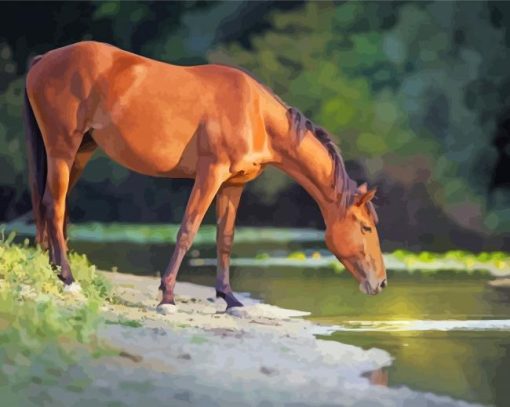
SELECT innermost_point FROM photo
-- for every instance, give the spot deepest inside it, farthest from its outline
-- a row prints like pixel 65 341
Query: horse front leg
pixel 207 183
pixel 227 202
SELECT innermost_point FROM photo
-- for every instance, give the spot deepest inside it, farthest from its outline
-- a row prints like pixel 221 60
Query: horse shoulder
pixel 234 128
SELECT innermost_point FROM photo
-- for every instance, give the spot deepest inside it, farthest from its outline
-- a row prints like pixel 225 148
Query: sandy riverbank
pixel 202 356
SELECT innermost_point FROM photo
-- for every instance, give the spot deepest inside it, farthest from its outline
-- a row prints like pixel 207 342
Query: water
pixel 449 334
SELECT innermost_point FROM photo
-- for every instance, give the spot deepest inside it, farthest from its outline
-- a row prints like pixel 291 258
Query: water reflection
pixel 471 366
pixel 378 377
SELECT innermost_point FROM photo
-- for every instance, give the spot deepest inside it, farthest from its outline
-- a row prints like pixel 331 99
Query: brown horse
pixel 213 123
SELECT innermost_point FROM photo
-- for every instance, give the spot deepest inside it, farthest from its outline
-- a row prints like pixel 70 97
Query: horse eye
pixel 366 229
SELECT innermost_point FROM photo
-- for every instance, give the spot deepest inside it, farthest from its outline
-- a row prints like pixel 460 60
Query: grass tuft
pixel 43 330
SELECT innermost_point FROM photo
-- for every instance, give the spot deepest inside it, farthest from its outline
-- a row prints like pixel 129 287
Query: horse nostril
pixel 384 283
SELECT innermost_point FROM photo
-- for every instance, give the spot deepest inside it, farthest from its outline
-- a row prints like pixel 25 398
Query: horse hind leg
pixel 62 175
pixel 85 152
pixel 54 207
pixel 62 123
pixel 87 148
pixel 58 180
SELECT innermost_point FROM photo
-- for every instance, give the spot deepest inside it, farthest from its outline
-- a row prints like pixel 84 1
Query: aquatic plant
pixel 166 233
pixel 426 263
pixel 297 256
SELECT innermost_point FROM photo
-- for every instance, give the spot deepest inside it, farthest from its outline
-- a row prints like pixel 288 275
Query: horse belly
pixel 146 122
pixel 150 154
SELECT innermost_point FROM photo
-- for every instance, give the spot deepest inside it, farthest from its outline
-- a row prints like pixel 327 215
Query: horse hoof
pixel 166 309
pixel 238 311
pixel 229 299
pixel 73 288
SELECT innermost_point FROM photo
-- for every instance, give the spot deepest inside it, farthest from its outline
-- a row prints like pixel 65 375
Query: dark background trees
pixel 417 95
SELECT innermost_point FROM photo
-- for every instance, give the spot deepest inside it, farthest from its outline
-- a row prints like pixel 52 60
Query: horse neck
pixel 311 166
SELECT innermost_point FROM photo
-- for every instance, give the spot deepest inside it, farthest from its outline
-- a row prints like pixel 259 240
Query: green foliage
pixel 12 155
pixel 124 18
pixel 410 91
pixel 401 93
pixel 307 61
pixel 42 329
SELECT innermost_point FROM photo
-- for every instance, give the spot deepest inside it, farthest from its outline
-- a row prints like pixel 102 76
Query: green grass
pixel 132 323
pixel 43 330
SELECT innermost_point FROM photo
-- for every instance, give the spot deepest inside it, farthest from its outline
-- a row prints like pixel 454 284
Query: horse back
pixel 152 117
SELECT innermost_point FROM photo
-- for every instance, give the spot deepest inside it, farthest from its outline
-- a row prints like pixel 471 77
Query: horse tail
pixel 37 164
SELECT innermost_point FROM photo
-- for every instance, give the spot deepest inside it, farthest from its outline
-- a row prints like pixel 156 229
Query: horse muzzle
pixel 372 289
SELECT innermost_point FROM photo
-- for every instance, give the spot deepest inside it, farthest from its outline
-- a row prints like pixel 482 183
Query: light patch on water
pixel 417 325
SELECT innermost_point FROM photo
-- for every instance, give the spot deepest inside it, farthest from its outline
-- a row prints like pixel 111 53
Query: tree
pixel 397 83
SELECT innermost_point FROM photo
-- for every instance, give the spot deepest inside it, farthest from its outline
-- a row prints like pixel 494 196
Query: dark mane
pixel 345 187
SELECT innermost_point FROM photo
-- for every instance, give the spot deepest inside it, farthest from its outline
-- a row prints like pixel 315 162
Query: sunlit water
pixel 449 335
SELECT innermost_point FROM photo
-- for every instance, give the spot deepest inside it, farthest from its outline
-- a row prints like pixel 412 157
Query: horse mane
pixel 345 188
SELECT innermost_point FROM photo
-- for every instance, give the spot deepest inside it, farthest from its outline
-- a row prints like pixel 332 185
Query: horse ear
pixel 366 197
pixel 363 189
